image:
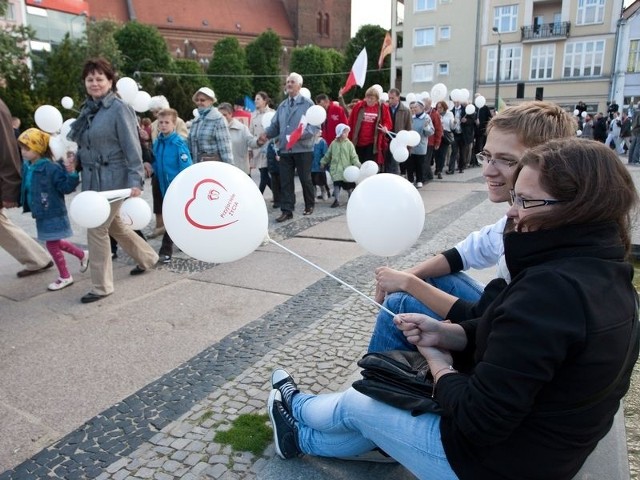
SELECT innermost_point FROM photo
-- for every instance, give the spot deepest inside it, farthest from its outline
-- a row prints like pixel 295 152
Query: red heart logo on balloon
pixel 211 206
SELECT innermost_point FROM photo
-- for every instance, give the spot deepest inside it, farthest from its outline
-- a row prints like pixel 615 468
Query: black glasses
pixel 496 162
pixel 520 202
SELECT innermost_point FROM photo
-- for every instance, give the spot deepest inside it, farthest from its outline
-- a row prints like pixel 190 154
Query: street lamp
pixel 495 30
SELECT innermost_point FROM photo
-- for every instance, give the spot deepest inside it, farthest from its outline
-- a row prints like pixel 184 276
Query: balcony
pixel 546 31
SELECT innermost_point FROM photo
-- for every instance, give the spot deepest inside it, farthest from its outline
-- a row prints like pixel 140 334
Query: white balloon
pixel 67 102
pixel 48 118
pixel 423 96
pixel 579 133
pixel 400 154
pixel 384 97
pixel 438 92
pixel 351 173
pixel 404 137
pixel 135 212
pixel 378 88
pixel 411 97
pixel 305 92
pixel 89 209
pixel 576 112
pixel 368 169
pixel 195 113
pixel 388 200
pixel 584 114
pixel 66 128
pixel 470 109
pixel 127 89
pixel 455 95
pixel 480 101
pixel 57 147
pixel 413 138
pixel 266 119
pixel 141 102
pixel 215 212
pixel 316 115
pixel 464 95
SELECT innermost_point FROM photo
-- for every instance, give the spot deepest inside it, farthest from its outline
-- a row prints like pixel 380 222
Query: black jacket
pixel 557 334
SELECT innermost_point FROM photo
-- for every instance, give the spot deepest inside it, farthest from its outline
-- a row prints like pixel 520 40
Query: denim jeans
pixel 350 423
pixel 387 337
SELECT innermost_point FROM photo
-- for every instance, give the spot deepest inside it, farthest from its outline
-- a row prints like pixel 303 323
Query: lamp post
pixel 497 101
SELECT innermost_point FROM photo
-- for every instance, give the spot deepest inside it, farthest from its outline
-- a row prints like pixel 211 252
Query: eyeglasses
pixel 496 162
pixel 520 202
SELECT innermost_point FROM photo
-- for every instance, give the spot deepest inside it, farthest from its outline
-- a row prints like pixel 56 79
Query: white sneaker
pixel 419 185
pixel 84 263
pixel 60 283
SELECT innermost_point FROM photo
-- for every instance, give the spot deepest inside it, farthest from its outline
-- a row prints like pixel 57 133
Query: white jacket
pixel 485 248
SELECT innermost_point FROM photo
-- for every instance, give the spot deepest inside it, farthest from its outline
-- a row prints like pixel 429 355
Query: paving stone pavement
pixel 166 429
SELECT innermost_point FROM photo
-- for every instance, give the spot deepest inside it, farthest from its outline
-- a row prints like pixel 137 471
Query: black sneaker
pixel 285 429
pixel 282 381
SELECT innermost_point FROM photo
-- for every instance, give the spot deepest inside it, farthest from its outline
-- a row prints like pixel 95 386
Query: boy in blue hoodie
pixel 172 156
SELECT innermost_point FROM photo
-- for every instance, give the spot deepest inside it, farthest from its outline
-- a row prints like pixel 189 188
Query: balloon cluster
pixel 91 209
pixel 355 174
pixel 399 145
pixel 49 119
pixel 128 90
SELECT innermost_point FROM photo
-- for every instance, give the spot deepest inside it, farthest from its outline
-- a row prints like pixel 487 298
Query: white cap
pixel 340 128
pixel 205 91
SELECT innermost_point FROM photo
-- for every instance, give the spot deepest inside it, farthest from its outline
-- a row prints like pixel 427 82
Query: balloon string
pixel 111 200
pixel 334 277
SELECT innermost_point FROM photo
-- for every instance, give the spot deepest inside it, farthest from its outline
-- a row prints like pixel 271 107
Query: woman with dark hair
pixel 110 155
pixel 259 155
pixel 529 388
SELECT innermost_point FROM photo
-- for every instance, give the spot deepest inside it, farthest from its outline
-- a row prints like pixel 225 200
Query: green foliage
pixel 101 42
pixel 263 58
pixel 58 73
pixel 371 37
pixel 145 49
pixel 229 67
pixel 249 433
pixel 3 7
pixel 13 53
pixel 19 98
pixel 179 88
pixel 313 63
pixel 339 69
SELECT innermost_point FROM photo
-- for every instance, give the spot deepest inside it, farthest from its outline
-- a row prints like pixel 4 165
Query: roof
pixel 249 17
pixel 631 10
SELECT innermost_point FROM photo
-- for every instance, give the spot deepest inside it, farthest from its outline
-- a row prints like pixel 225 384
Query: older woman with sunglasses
pixel 530 387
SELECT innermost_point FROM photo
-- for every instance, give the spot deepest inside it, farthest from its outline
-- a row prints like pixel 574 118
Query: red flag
pixel 358 72
pixel 385 50
pixel 297 133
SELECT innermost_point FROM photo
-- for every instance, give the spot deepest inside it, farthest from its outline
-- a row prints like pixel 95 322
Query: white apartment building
pixel 558 50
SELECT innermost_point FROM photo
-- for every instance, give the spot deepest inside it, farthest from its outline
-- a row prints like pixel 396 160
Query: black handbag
pixel 398 378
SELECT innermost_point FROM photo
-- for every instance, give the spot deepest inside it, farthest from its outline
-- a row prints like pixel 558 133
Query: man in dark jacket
pixel 401 119
pixel 13 239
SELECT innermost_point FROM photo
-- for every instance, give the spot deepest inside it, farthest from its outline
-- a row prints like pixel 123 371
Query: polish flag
pixel 358 72
pixel 297 133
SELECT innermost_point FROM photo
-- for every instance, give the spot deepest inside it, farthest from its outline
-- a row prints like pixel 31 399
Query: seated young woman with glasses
pixel 530 387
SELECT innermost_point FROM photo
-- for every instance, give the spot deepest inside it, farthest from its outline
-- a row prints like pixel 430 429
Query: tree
pixel 15 76
pixel 263 61
pixel 145 50
pixel 179 88
pixel 101 42
pixel 370 37
pixel 313 63
pixel 339 69
pixel 58 73
pixel 231 78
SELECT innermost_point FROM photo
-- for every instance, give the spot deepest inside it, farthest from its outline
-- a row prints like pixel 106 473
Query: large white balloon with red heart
pixel 215 212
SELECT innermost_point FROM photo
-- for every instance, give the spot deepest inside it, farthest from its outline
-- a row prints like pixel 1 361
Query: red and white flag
pixel 358 72
pixel 297 133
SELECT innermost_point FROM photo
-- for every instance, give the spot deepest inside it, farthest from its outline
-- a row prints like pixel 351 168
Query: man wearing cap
pixel 293 156
pixel 13 239
pixel 209 137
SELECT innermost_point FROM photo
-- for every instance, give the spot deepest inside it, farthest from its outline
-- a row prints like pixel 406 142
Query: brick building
pixel 191 28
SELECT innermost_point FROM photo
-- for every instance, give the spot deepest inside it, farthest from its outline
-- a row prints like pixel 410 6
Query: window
pixel 590 11
pixel 319 23
pixel 443 69
pixel 510 62
pixel 10 14
pixel 505 19
pixel 444 33
pixel 424 5
pixel 542 57
pixel 583 59
pixel 633 65
pixel 326 24
pixel 422 72
pixel 424 37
